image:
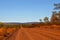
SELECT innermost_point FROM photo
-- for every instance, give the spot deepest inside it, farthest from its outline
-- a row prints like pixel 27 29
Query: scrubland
pixel 30 32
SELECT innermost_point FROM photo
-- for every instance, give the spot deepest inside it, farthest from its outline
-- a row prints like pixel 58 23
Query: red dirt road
pixel 35 34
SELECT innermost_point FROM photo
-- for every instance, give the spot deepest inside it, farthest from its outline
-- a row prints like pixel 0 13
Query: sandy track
pixel 35 34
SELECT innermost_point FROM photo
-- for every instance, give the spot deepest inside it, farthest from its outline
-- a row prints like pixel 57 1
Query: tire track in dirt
pixel 21 35
pixel 52 35
pixel 12 36
pixel 50 32
pixel 55 34
pixel 46 34
pixel 33 34
pixel 37 36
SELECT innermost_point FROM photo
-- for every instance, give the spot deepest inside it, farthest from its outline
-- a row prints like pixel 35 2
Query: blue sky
pixel 25 10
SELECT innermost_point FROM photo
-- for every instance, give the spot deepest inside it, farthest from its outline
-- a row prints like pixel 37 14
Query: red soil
pixel 10 30
pixel 35 34
pixel 6 32
pixel 2 31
